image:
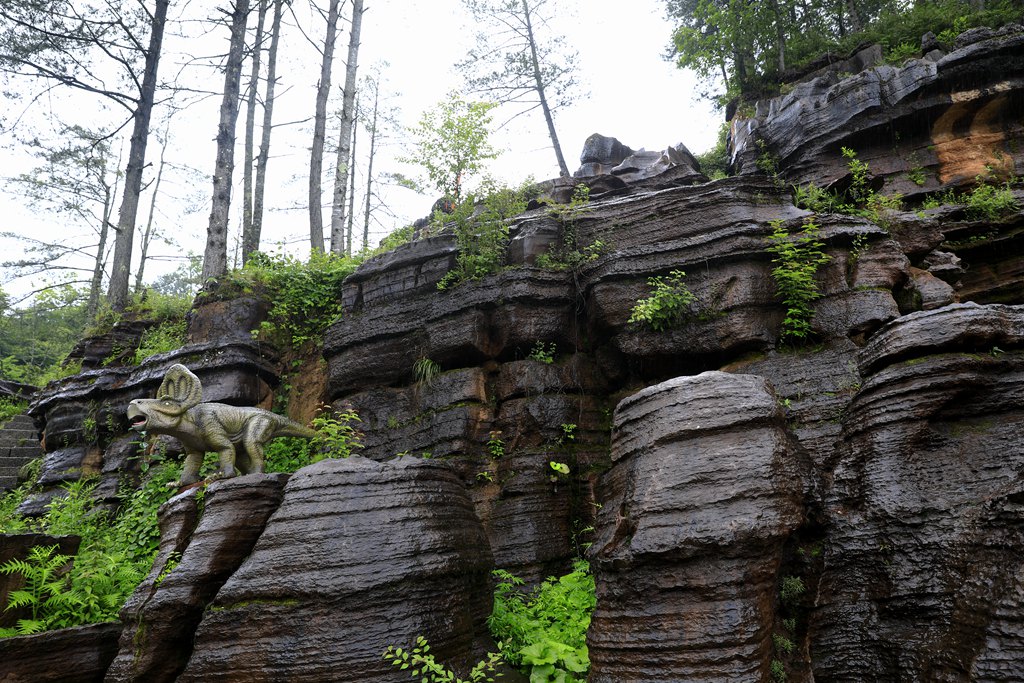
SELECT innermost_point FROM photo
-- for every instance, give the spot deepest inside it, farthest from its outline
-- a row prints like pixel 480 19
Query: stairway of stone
pixel 19 443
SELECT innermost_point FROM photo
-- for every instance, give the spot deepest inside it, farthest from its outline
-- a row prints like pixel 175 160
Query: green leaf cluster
pixel 858 199
pixel 797 258
pixel 544 631
pixel 667 305
pixel 420 663
pixel 10 407
pixel 305 297
pixel 167 336
pixel 115 553
pixel 988 200
pixel 481 231
pixel 336 437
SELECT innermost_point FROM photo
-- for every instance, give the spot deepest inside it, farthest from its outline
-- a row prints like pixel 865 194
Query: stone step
pixel 15 437
pixel 25 453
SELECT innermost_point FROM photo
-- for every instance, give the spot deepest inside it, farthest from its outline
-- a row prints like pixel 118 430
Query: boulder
pixel 359 556
pixel 704 491
pixel 70 655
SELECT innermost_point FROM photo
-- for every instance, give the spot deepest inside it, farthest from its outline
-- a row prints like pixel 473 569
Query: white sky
pixel 627 90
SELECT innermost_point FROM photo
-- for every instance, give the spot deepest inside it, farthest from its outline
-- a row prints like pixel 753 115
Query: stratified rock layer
pixel 166 609
pixel 704 491
pixel 923 563
pixel 359 556
pixel 70 655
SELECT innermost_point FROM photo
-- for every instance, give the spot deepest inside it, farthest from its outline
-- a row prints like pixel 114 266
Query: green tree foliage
pixel 35 339
pixel 750 45
pixel 450 144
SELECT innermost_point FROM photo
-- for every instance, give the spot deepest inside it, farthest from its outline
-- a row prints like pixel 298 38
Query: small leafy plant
pixel 44 593
pixel 425 370
pixel 495 446
pixel 797 260
pixel 543 353
pixel 420 663
pixel 336 437
pixel 667 305
pixel 544 630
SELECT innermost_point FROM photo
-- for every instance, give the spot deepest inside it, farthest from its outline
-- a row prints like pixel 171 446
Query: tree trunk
pixel 563 170
pixel 351 191
pixel 125 230
pixel 369 166
pixel 147 234
pixel 316 160
pixel 856 22
pixel 347 120
pixel 780 36
pixel 215 258
pixel 97 271
pixel 250 133
pixel 268 116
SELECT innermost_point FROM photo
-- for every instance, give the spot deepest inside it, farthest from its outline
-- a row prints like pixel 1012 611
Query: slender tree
pixel 215 257
pixel 374 87
pixel 345 135
pixel 248 168
pixel 513 63
pixel 148 233
pixel 251 242
pixel 56 41
pixel 351 172
pixel 117 295
pixel 316 160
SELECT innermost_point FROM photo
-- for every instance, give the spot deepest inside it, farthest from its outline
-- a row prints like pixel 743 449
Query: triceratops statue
pixel 203 427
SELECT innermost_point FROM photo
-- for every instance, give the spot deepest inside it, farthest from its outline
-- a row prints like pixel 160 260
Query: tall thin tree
pixel 345 135
pixel 215 259
pixel 513 63
pixel 252 243
pixel 316 159
pixel 250 131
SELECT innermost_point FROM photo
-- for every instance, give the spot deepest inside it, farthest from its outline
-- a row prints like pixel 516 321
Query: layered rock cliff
pixel 858 496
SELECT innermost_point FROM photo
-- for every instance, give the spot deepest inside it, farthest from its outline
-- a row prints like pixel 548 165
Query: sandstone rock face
pixel 359 556
pixel 70 655
pixel 704 491
pixel 167 607
pixel 922 569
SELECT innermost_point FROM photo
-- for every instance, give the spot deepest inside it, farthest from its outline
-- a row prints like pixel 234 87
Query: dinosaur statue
pixel 203 427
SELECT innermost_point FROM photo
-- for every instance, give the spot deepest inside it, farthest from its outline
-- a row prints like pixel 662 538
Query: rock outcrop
pixel 704 491
pixel 848 508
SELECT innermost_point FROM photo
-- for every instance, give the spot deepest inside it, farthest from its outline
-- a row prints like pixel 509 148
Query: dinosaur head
pixel 179 391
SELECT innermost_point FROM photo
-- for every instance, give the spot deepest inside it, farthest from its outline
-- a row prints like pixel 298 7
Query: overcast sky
pixel 627 90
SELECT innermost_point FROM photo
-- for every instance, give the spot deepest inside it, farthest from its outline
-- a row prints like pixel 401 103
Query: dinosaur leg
pixel 257 433
pixel 190 469
pixel 225 451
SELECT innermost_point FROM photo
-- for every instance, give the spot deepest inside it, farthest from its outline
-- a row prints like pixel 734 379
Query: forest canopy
pixel 753 47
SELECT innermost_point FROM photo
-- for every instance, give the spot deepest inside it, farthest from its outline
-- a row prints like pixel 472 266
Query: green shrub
pixel 115 554
pixel 421 665
pixel 9 407
pixel 482 235
pixel 714 163
pixel 791 590
pixel 305 296
pixel 544 630
pixel 798 258
pixel 336 438
pixel 543 353
pixel 667 305
pixel 167 336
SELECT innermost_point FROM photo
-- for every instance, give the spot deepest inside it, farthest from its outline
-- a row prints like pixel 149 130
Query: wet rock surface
pixel 922 562
pixel 167 607
pixel 703 493
pixel 70 655
pixel 360 555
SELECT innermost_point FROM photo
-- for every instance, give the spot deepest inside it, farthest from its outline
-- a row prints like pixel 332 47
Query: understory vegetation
pixel 542 632
pixel 667 305
pixel 115 554
pixel 797 257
